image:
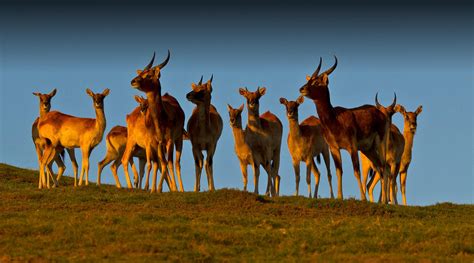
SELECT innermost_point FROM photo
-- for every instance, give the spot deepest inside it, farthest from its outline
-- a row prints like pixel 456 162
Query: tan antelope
pixel 243 149
pixel 204 128
pixel 141 134
pixel 264 136
pixel 409 130
pixel 167 118
pixel 66 131
pixel 395 145
pixel 116 141
pixel 44 107
pixel 306 141
pixel 364 129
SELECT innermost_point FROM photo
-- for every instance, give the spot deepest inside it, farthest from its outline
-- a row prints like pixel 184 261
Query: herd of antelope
pixel 155 129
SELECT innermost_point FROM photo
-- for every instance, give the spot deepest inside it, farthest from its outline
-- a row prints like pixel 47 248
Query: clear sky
pixel 421 51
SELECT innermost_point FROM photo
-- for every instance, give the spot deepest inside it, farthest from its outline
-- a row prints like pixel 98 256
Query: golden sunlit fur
pixel 116 141
pixel 409 130
pixel 306 141
pixel 204 128
pixel 66 131
pixel 263 134
pixel 40 143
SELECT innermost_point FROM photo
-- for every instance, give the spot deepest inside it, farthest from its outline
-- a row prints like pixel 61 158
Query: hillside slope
pixel 92 223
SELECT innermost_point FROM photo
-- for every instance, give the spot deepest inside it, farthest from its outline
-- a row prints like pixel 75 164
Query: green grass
pixel 107 224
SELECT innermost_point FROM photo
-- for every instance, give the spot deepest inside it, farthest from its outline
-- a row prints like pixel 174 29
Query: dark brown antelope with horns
pixel 364 129
pixel 264 135
pixel 168 120
pixel 204 128
pixel 395 146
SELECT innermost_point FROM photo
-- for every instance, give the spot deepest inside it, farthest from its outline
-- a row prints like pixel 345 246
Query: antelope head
pixel 292 107
pixel 409 117
pixel 148 79
pixel 252 97
pixel 235 116
pixel 143 103
pixel 389 110
pixel 201 93
pixel 316 87
pixel 45 99
pixel 98 98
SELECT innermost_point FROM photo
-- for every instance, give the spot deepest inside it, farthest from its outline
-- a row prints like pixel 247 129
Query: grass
pixel 108 224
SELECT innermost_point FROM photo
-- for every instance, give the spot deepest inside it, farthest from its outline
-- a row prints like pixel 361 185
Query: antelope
pixel 363 129
pixel 305 141
pixel 66 131
pixel 395 146
pixel 204 128
pixel 116 140
pixel 167 118
pixel 44 107
pixel 141 135
pixel 264 136
pixel 409 130
pixel 243 149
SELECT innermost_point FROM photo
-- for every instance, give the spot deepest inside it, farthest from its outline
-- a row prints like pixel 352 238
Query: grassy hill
pixel 92 223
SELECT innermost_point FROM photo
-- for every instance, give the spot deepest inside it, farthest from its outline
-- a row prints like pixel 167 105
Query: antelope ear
pixel 283 101
pixel 139 71
pixel 262 91
pixel 52 93
pixel 400 108
pixel 90 92
pixel 243 91
pixel 106 92
pixel 241 108
pixel 193 86
pixel 36 93
pixel 325 79
pixel 308 77
pixel 138 99
pixel 419 110
pixel 229 108
pixel 300 100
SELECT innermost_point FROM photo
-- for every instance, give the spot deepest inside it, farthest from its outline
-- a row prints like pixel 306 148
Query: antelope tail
pixel 318 158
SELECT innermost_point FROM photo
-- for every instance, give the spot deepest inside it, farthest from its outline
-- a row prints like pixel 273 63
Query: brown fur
pixel 363 129
pixel 306 141
pixel 66 131
pixel 168 120
pixel 263 134
pixel 116 141
pixel 204 128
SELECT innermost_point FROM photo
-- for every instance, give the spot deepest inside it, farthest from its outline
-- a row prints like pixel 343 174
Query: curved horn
pixel 200 81
pixel 329 71
pixel 377 100
pixel 316 72
pixel 394 100
pixel 163 64
pixel 147 67
pixel 210 80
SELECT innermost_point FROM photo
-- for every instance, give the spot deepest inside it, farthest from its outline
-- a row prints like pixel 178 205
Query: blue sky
pixel 423 54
